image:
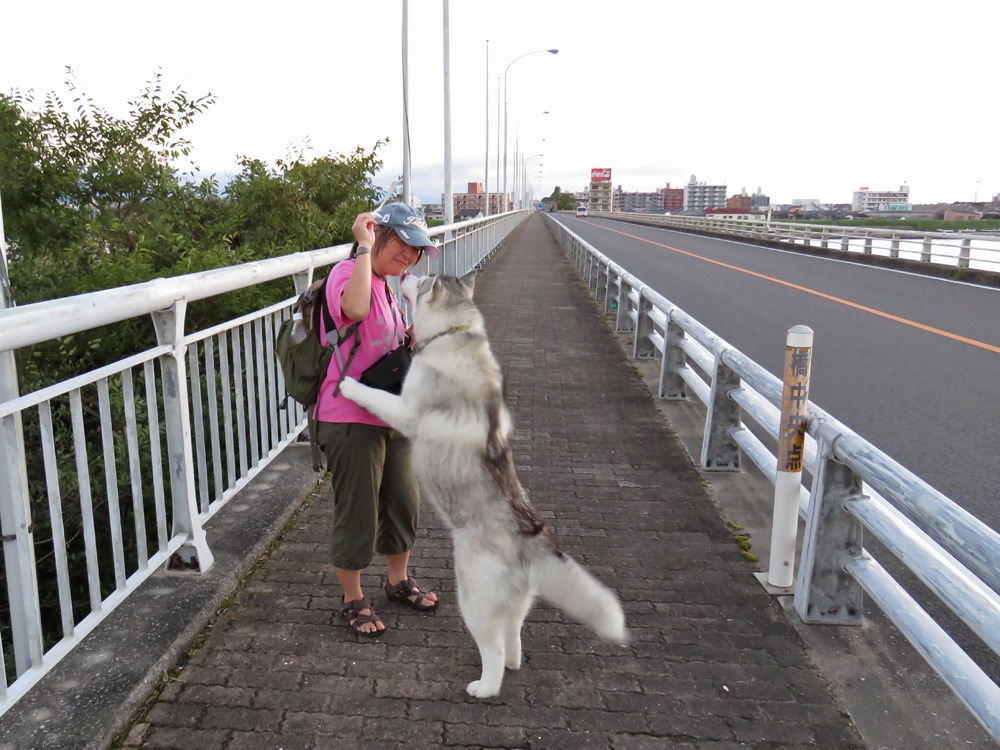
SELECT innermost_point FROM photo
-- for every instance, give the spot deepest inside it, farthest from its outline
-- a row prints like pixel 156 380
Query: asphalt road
pixel 922 385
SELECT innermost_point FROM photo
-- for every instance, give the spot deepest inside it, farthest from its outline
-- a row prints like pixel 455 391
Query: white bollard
pixel 791 441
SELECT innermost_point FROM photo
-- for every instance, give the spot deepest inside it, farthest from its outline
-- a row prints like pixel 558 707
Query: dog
pixel 451 408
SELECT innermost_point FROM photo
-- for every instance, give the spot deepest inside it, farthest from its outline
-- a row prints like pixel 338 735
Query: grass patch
pixel 742 538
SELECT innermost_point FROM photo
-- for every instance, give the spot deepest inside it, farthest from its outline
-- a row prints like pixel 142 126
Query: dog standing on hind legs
pixel 451 408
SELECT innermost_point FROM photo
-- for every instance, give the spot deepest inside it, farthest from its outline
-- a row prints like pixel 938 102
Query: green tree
pixel 93 201
pixel 561 201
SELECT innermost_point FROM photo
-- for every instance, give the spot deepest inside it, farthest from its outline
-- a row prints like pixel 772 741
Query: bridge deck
pixel 713 661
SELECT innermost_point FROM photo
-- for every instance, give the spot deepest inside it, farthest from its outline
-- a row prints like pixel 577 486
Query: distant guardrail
pixel 855 487
pixel 959 250
pixel 140 454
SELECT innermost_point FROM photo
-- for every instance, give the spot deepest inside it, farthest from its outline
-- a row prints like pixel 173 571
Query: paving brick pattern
pixel 712 664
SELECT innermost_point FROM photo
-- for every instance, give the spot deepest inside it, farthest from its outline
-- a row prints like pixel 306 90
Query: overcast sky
pixel 800 99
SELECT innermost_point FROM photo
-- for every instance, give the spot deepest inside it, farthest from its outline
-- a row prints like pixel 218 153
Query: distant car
pixel 581 210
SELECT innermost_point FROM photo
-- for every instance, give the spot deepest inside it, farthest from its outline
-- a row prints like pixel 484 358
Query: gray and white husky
pixel 451 408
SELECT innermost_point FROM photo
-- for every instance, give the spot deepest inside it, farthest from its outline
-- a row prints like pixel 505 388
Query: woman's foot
pixel 362 618
pixel 408 592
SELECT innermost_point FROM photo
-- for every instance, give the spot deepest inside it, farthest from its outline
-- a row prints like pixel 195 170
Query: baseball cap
pixel 409 224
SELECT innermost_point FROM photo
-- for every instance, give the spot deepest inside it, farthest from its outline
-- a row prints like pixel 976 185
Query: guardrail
pixel 972 250
pixel 855 488
pixel 180 443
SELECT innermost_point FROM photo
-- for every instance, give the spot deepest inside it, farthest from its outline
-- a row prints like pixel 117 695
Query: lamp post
pixel 486 170
pixel 516 190
pixel 524 173
pixel 526 54
pixel 406 100
pixel 449 205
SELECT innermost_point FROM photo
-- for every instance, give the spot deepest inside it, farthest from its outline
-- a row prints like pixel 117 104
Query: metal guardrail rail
pixel 189 422
pixel 855 488
pixel 973 250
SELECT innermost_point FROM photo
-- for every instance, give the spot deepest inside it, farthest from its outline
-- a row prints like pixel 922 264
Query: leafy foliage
pixel 560 200
pixel 94 201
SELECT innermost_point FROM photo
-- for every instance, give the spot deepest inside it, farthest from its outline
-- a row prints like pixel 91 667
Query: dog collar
pixel 454 329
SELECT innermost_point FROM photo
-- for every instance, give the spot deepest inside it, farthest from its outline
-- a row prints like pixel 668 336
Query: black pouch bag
pixel 388 371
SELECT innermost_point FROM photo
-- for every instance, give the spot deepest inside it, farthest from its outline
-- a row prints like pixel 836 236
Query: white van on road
pixel 581 210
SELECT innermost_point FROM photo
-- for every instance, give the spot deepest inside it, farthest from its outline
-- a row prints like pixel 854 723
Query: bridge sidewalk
pixel 713 662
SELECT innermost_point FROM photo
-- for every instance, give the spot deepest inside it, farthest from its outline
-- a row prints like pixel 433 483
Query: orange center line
pixel 816 293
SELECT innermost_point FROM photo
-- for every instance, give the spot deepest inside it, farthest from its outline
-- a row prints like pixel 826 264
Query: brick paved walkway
pixel 712 664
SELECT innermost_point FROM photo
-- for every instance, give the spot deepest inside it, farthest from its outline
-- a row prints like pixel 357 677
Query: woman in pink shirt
pixel 375 494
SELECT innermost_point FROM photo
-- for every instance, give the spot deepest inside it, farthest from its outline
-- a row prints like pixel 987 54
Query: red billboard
pixel 600 174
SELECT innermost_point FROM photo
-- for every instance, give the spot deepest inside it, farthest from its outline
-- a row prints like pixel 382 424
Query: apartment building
pixel 673 198
pixel 600 197
pixel 868 201
pixel 474 199
pixel 698 195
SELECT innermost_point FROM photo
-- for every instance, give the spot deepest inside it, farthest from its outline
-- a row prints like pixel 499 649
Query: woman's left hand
pixel 364 230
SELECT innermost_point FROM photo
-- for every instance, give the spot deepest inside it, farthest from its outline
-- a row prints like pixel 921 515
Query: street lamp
pixel 526 54
pixel 531 175
pixel 522 176
pixel 516 189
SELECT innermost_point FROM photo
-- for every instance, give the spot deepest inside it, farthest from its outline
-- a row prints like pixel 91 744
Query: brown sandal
pixel 352 613
pixel 402 592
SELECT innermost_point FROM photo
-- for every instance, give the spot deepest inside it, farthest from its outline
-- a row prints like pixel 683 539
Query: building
pixel 642 203
pixel 759 200
pixel 874 201
pixel 473 202
pixel 600 197
pixel 698 196
pixel 673 198
pixel 730 212
pixel 740 201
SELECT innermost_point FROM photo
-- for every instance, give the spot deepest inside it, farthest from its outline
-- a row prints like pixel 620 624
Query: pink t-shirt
pixel 384 329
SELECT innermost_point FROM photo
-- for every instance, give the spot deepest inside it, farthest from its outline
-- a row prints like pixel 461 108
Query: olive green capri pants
pixel 375 495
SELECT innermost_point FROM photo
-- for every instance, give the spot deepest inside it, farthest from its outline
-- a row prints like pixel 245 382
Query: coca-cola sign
pixel 600 174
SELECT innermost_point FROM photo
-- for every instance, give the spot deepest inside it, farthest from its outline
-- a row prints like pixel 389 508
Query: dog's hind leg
pixel 487 628
pixel 519 606
pixel 483 598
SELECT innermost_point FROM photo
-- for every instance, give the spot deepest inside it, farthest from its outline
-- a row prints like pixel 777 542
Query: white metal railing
pixel 180 429
pixel 855 488
pixel 972 250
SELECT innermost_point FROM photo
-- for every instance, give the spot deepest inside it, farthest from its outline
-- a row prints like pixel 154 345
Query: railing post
pixel 825 593
pixel 672 386
pixel 719 450
pixel 15 509
pixel 593 274
pixel 601 292
pixel 894 246
pixel 791 442
pixel 16 526
pixel 925 250
pixel 302 280
pixel 868 244
pixel 965 253
pixel 845 243
pixel 194 555
pixel 622 320
pixel 642 347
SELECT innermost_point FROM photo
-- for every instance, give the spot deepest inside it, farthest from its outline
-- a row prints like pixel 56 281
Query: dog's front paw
pixel 352 389
pixel 479 690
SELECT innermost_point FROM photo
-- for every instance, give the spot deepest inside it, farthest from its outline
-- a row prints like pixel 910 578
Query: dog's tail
pixel 564 583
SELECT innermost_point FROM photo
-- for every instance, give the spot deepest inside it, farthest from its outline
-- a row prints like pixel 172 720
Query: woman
pixel 375 495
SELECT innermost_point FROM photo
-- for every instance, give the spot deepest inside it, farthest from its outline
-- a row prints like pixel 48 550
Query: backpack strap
pixel 342 336
pixel 313 438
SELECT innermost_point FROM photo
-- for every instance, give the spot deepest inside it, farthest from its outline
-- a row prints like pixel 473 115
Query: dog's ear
pixel 468 282
pixel 437 287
